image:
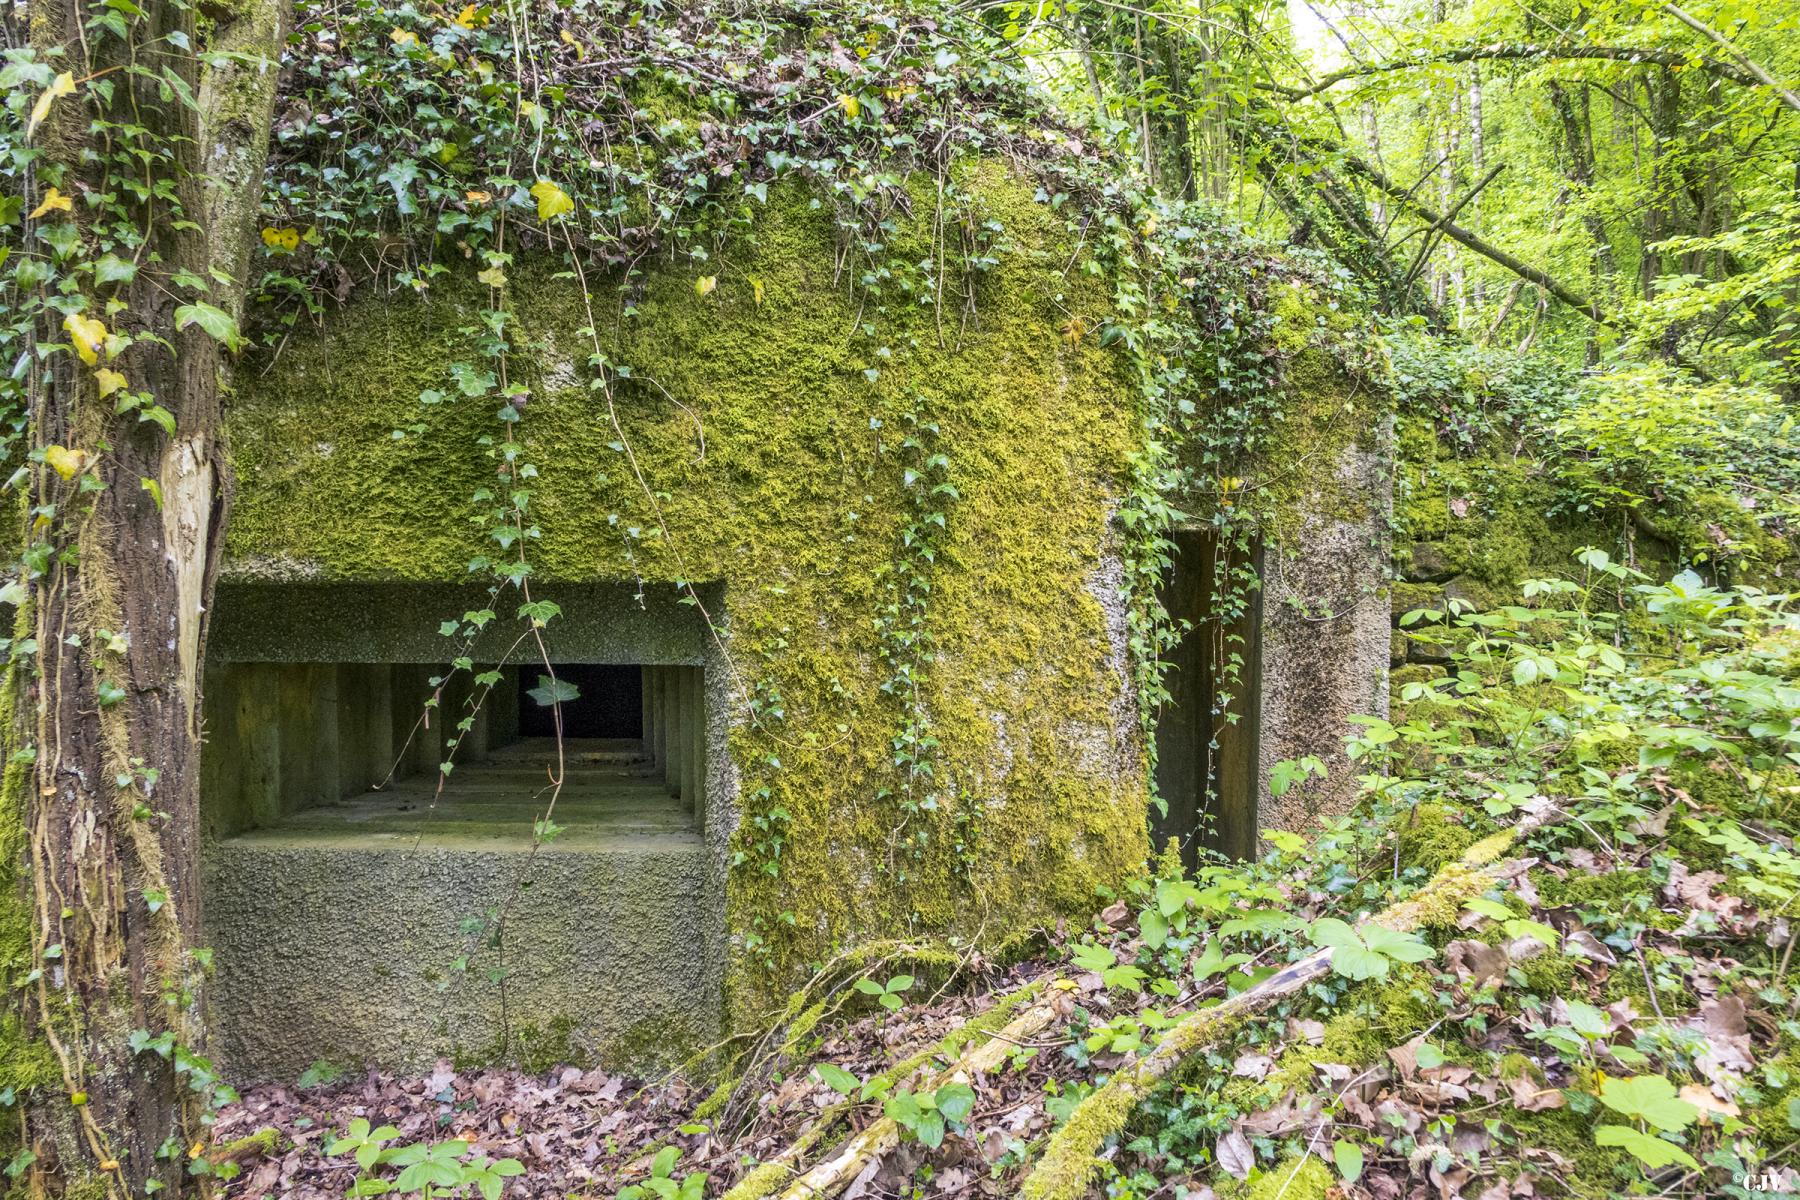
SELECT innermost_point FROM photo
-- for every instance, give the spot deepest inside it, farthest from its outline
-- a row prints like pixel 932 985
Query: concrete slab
pixel 397 927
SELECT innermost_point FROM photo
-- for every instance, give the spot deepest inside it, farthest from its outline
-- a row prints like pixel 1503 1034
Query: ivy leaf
pixel 1349 1159
pixel 64 461
pixel 553 691
pixel 62 85
pixel 1653 1152
pixel 54 201
pixel 216 323
pixel 89 334
pixel 113 269
pixel 552 201
pixel 956 1101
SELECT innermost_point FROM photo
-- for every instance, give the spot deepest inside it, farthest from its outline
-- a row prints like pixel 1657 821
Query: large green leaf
pixel 1650 1097
pixel 1653 1152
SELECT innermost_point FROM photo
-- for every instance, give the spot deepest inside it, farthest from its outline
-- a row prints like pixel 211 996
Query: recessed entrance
pixel 360 745
pixel 1206 732
pixel 336 839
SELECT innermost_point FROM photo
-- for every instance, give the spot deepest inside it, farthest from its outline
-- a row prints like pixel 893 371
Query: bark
pixel 1518 267
pixel 1478 168
pixel 1578 169
pixel 112 707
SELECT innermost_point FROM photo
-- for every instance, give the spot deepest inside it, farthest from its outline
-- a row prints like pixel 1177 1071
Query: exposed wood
pixel 875 1142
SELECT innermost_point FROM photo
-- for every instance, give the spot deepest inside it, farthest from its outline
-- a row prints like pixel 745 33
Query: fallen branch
pixel 1070 1158
pixel 1788 97
pixel 1539 52
pixel 850 1158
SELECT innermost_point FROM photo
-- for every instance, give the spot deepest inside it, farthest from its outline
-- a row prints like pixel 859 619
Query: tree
pixel 140 160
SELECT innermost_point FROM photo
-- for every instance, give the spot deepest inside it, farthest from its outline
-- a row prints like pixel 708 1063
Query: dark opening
pixel 610 703
pixel 1206 733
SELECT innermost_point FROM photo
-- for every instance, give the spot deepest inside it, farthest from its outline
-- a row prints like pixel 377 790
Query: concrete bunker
pixel 362 913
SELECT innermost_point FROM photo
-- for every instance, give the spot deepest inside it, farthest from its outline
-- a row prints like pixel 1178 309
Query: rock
pixel 1429 564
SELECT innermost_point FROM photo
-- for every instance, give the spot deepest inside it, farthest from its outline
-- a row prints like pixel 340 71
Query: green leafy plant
pixel 1652 1101
pixel 1365 952
pixel 886 994
pixel 662 1184
pixel 926 1116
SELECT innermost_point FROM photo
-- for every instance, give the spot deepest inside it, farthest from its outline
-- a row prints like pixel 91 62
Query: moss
pixel 260 1144
pixel 1306 1178
pixel 1592 1171
pixel 1433 836
pixel 540 1047
pixel 1296 471
pixel 1492 521
pixel 775 464
pixel 26 1062
pixel 760 1182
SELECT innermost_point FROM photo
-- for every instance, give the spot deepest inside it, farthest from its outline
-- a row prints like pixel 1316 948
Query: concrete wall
pixel 1326 631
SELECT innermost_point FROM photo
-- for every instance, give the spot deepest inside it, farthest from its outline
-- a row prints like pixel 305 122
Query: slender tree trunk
pixel 1478 169
pixel 121 550
pixel 1579 170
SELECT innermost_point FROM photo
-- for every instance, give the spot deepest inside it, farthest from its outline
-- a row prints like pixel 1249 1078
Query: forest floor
pixel 1609 1006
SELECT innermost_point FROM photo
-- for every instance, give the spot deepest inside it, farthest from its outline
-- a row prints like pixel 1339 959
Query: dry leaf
pixel 1235 1156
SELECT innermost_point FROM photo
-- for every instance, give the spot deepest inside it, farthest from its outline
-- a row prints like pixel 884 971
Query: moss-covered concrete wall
pixel 1472 526
pixel 769 433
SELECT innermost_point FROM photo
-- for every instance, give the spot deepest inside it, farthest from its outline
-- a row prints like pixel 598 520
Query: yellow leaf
pixel 493 277
pixel 53 199
pixel 109 380
pixel 852 106
pixel 64 461
pixel 704 285
pixel 756 289
pixel 63 85
pixel 155 490
pixel 89 335
pixel 552 201
pixel 1702 1098
pixel 403 37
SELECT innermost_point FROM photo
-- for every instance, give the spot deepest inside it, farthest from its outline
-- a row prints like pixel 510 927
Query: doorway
pixel 1207 746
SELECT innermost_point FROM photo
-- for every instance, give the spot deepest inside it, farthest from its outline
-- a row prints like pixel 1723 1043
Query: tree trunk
pixel 120 553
